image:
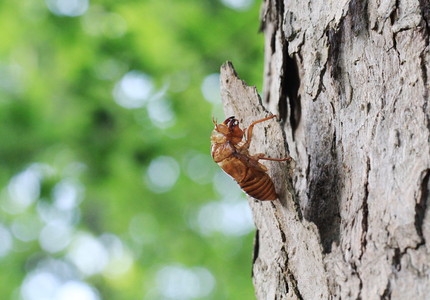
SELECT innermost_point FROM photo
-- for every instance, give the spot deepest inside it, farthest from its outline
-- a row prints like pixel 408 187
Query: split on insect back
pixel 229 150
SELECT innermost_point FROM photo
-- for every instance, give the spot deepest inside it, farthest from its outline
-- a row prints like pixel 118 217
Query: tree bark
pixel 350 82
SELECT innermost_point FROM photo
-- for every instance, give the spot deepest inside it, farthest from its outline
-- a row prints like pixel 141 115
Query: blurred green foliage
pixel 108 187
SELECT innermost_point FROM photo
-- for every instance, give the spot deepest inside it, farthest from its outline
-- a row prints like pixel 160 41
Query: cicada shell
pixel 230 151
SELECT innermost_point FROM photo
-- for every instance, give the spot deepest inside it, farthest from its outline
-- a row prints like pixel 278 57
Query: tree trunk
pixel 349 80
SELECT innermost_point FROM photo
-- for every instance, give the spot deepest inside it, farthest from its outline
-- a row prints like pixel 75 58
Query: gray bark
pixel 349 80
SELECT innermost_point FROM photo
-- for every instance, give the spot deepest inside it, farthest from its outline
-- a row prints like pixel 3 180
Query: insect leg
pixel 262 156
pixel 251 127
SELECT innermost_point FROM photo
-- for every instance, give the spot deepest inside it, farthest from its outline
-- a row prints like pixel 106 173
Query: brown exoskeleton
pixel 230 152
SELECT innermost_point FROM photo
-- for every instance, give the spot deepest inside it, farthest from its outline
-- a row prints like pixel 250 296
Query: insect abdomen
pixel 258 184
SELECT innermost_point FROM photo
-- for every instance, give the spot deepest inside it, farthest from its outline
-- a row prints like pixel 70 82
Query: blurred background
pixel 107 186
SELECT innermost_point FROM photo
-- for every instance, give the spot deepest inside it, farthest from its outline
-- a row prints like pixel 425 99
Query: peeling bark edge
pixel 228 68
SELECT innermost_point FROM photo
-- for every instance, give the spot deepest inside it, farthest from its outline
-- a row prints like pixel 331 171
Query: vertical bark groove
pixel 421 206
pixel 359 16
pixel 290 98
pixel 425 12
pixel 365 210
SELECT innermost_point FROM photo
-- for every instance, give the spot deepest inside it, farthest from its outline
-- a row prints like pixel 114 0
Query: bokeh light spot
pixel 210 88
pixel 133 90
pixel 200 167
pixel 24 189
pixel 226 186
pixel 88 254
pixel 238 4
pixel 26 227
pixel 50 213
pixel 40 286
pixel 120 258
pixel 228 218
pixel 162 174
pixel 161 113
pixel 57 267
pixel 68 8
pixel 67 194
pixel 6 243
pixel 177 282
pixel 55 236
pixel 74 290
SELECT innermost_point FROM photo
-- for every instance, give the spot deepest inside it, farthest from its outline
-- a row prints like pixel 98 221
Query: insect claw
pixel 231 121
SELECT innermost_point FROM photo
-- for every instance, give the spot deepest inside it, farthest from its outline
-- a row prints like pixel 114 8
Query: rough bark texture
pixel 350 80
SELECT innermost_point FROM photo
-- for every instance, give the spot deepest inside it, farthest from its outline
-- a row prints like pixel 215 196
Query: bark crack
pixel 335 37
pixel 365 210
pixel 397 258
pixel 421 205
pixel 321 86
pixel 256 249
pixel 394 13
pixel 356 273
pixel 283 280
pixel 294 285
pixel 386 295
